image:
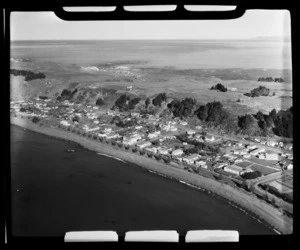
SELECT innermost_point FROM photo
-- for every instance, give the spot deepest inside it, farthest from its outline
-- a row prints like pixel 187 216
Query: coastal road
pixel 283 204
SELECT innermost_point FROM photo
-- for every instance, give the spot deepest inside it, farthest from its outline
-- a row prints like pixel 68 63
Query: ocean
pixel 180 54
pixel 54 191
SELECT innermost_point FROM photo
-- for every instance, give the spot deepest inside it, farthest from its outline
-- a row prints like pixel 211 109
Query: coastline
pixel 258 207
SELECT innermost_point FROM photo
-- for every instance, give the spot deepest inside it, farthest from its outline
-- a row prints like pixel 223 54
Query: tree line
pixel 269 79
pixel 29 75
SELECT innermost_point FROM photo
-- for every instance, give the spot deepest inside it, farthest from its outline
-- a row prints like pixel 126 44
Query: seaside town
pixel 258 166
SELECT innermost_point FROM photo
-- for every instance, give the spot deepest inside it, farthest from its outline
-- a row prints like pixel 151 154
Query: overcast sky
pixel 46 26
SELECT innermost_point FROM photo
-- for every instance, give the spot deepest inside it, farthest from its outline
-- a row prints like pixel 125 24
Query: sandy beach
pixel 260 208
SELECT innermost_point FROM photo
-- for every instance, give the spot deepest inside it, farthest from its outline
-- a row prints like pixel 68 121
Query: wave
pixel 89 69
pixel 113 157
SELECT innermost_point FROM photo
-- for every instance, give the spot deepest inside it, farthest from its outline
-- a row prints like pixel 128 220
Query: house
pixel 271 156
pixel 131 140
pixel 177 152
pixel 247 156
pixel 271 143
pixel 289 166
pixel 151 150
pixel 184 123
pixel 261 156
pixel 191 158
pixel 233 169
pixel 198 127
pixel 65 123
pixel 153 135
pixel 107 130
pixel 144 144
pixel 220 165
pixel 112 136
pixel 264 142
pixel 209 138
pixel 257 151
pixel 230 157
pixel 200 162
pixel 240 152
pixel 251 147
pixel 164 151
pixel 190 132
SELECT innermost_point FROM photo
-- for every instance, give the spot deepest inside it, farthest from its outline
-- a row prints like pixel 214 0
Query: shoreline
pixel 233 196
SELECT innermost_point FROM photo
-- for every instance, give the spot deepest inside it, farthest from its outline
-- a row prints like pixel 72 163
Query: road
pixel 277 150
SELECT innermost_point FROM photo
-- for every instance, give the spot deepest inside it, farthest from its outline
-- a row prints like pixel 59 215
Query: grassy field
pixel 176 83
pixel 262 161
pixel 263 170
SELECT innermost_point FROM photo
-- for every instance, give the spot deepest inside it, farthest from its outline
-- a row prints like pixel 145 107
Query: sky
pixel 47 26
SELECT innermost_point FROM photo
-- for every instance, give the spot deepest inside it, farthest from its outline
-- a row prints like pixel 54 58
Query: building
pixel 240 152
pixel 271 143
pixel 151 150
pixel 65 123
pixel 257 151
pixel 247 156
pixel 177 152
pixel 164 151
pixel 209 138
pixel 271 156
pixel 153 135
pixel 112 136
pixel 251 147
pixel 191 158
pixel 190 132
pixel 131 140
pixel 144 144
pixel 233 169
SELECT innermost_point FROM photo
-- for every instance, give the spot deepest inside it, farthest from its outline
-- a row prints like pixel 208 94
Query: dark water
pixel 61 191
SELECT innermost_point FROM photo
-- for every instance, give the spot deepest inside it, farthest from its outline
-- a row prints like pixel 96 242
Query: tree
pixel 251 175
pixel 149 154
pixel 100 102
pixel 273 114
pixel 167 159
pixel 248 124
pixel 259 116
pixel 35 119
pixel 147 102
pixel 219 87
pixel 158 157
pixel 157 101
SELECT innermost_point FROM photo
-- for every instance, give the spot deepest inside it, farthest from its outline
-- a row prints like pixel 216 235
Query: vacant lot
pixel 263 170
pixel 263 162
pixel 244 164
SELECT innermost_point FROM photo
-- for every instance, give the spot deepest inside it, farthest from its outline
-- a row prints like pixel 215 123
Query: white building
pixel 65 123
pixel 177 152
pixel 131 140
pixel 271 143
pixel 251 147
pixel 233 169
pixel 153 135
pixel 144 144
pixel 152 150
pixel 164 151
pixel 191 158
pixel 271 156
pixel 209 138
